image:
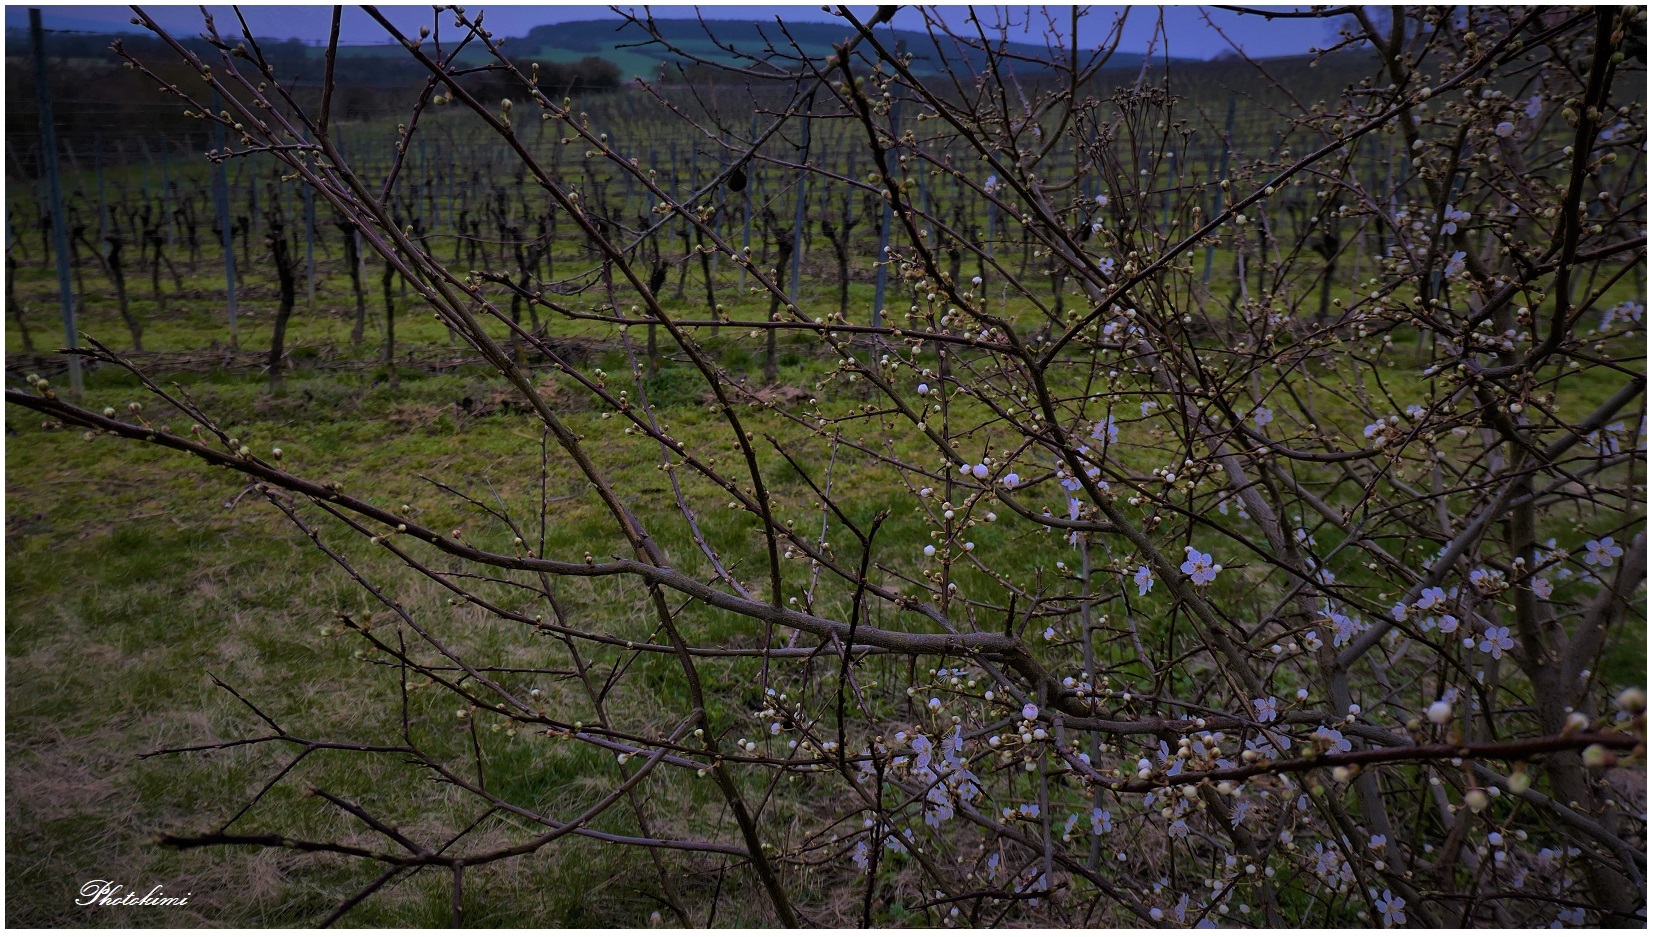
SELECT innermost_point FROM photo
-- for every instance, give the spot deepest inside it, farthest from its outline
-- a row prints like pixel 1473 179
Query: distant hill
pixel 726 42
pixel 624 44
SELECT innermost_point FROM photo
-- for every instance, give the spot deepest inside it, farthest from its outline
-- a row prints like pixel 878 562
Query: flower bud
pixel 1632 700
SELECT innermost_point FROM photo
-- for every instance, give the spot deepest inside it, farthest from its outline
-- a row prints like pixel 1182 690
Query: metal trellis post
pixel 221 195
pixel 60 224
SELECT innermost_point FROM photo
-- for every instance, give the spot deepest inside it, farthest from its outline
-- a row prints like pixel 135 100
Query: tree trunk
pixel 153 236
pixel 707 281
pixel 354 262
pixel 16 307
pixel 389 358
pixel 284 309
pixel 785 249
pixel 118 278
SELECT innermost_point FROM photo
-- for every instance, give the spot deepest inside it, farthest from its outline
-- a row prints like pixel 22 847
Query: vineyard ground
pixel 133 574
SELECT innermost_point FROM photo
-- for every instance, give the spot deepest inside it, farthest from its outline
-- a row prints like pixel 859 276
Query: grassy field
pixel 135 574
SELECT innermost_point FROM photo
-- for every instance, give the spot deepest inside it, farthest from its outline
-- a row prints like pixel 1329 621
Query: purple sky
pixel 1189 34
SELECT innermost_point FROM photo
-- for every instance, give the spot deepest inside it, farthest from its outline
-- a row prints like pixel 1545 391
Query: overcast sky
pixel 1189 33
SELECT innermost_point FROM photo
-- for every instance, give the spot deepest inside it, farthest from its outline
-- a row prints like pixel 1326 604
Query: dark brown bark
pixel 283 261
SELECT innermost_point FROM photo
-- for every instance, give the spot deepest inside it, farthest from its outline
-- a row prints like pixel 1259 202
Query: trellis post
pixel 60 223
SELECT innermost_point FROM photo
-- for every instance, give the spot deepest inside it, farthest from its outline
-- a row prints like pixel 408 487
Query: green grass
pixel 130 580
pixel 114 623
